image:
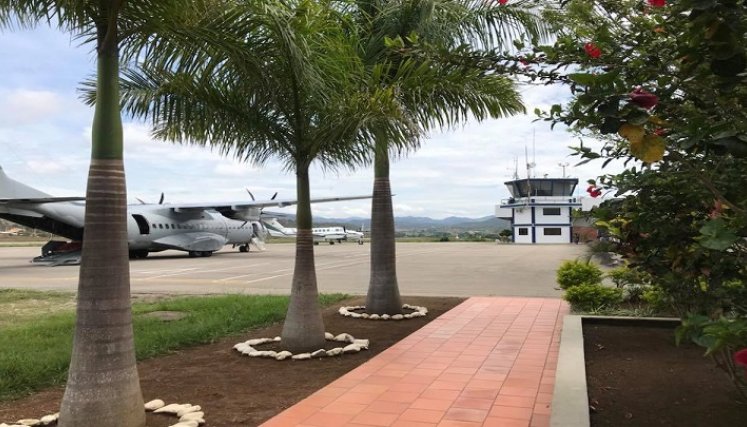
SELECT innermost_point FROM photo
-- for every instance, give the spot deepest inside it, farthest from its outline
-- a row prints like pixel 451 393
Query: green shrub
pixel 623 276
pixel 574 273
pixel 634 293
pixel 656 298
pixel 588 297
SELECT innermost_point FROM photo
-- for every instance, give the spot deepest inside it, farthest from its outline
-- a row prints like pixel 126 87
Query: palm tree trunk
pixel 383 290
pixel 103 388
pixel 303 329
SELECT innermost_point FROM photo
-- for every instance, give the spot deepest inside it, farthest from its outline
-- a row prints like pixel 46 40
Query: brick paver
pixel 490 361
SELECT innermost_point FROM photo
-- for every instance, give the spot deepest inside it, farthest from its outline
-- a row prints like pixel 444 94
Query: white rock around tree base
pixel 353 345
pixel 354 311
pixel 189 415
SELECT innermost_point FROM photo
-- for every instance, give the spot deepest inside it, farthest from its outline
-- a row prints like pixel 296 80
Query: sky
pixel 45 137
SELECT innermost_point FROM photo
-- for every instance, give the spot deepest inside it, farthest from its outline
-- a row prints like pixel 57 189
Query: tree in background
pixel 403 42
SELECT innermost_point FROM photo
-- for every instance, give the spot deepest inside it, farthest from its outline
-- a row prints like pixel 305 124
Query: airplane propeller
pixel 160 201
pixel 254 199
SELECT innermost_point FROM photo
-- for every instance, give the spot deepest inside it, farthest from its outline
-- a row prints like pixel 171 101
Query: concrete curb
pixel 570 402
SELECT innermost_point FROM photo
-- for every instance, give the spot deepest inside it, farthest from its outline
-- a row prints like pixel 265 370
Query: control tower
pixel 540 209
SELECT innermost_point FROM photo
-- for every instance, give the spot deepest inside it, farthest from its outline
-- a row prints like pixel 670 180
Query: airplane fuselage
pixel 146 228
pixel 150 228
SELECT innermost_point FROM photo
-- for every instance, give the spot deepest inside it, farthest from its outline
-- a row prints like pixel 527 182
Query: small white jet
pixel 321 234
pixel 196 228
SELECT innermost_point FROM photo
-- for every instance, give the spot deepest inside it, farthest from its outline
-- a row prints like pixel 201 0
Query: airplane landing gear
pixel 244 248
pixel 139 254
pixel 193 254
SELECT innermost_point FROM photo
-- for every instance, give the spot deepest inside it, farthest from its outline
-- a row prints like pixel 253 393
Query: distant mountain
pixel 416 223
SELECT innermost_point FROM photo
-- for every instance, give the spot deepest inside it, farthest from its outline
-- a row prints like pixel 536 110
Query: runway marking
pixel 319 267
pixel 178 272
pixel 198 271
pixel 288 274
pixel 226 279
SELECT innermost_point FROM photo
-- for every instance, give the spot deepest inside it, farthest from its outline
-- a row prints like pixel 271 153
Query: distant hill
pixel 416 223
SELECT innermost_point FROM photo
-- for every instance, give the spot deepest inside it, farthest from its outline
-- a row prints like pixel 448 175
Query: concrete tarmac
pixel 427 269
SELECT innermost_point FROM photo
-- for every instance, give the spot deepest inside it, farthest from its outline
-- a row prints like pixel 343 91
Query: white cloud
pixel 22 106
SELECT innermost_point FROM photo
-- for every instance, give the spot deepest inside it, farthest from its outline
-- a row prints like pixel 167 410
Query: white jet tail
pixel 11 189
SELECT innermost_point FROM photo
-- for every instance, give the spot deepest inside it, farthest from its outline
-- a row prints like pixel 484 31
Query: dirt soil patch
pixel 636 376
pixel 236 390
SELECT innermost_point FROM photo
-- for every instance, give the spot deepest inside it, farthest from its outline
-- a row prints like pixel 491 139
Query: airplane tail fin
pixel 11 189
pixel 274 227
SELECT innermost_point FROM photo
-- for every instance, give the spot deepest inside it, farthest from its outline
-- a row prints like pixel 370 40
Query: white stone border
pixel 350 311
pixel 189 415
pixel 354 346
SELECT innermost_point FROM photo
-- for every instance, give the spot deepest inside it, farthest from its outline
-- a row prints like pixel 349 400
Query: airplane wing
pixel 243 205
pixel 39 200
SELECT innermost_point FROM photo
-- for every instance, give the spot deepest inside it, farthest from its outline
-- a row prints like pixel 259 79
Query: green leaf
pixel 716 235
pixel 611 108
pixel 610 125
pixel 732 145
pixel 583 78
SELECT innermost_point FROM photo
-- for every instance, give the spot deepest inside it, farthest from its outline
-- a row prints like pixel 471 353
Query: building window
pixel 523 231
pixel 551 211
pixel 552 231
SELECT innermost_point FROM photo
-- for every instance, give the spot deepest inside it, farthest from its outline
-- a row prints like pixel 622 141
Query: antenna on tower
pixel 563 165
pixel 529 173
pixel 534 151
pixel 530 166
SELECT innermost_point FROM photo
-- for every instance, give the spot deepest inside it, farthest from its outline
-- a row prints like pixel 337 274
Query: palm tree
pixel 451 95
pixel 287 86
pixel 103 387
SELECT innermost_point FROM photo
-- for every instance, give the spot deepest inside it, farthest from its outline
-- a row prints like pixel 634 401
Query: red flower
pixel 643 98
pixel 502 2
pixel 594 191
pixel 740 357
pixel 657 3
pixel 592 50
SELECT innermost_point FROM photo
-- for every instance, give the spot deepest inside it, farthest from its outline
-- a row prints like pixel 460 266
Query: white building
pixel 540 209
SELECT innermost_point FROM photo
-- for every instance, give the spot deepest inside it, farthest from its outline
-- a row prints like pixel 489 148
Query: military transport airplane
pixel 196 228
pixel 321 234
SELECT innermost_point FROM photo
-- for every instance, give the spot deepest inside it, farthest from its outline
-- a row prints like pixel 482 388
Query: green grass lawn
pixel 35 348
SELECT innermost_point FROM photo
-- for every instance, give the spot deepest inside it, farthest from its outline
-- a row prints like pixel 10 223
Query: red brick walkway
pixel 487 362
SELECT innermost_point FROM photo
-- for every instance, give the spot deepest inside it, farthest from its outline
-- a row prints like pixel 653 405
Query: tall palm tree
pixel 103 388
pixel 287 86
pixel 452 95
